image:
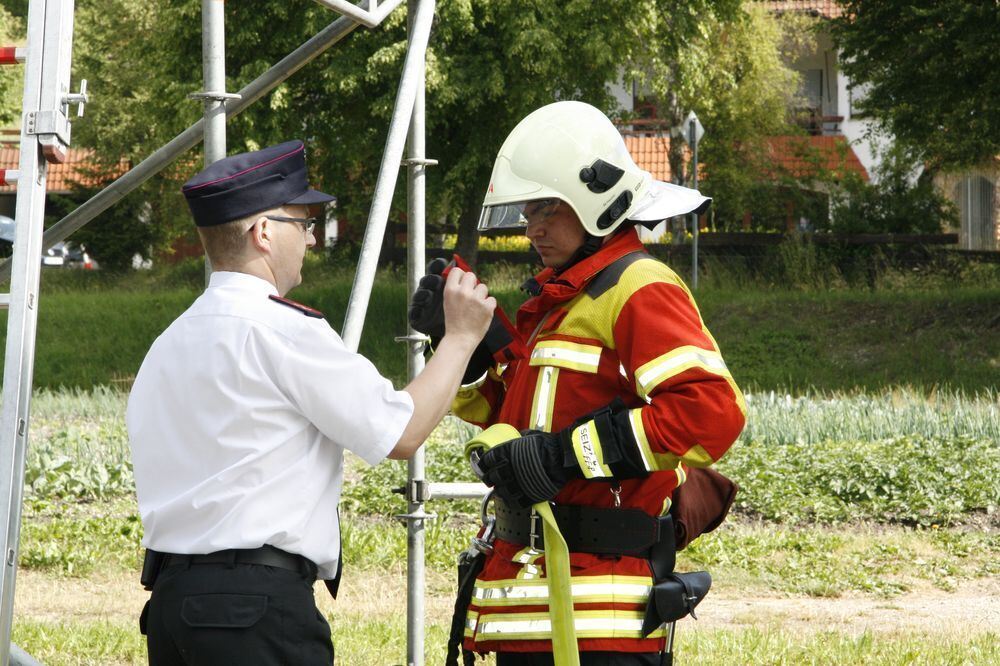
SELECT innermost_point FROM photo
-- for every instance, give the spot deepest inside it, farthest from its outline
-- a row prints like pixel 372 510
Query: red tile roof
pixel 801 156
pixel 796 156
pixel 651 153
pixel 60 177
pixel 824 8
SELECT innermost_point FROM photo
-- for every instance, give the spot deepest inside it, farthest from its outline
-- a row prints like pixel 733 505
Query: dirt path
pixel 973 608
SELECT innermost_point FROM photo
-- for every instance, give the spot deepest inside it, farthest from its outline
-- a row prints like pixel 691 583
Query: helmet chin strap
pixel 589 247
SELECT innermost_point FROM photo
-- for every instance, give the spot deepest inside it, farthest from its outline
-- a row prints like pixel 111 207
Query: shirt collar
pixel 244 281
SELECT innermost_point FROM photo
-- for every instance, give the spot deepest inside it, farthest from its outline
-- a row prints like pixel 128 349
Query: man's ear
pixel 260 233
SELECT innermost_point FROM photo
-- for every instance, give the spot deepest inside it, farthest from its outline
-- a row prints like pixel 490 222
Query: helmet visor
pixel 517 214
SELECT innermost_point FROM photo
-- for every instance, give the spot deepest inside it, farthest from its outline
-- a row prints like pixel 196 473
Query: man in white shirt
pixel 238 420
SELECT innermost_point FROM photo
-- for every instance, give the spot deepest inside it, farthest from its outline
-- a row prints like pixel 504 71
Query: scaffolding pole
pixel 213 65
pixel 190 137
pixel 45 131
pixel 416 517
pixel 364 278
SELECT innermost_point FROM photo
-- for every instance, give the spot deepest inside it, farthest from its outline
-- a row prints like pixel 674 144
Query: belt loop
pixel 231 558
pixel 534 533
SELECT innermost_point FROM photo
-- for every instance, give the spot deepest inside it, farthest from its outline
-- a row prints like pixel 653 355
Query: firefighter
pixel 621 392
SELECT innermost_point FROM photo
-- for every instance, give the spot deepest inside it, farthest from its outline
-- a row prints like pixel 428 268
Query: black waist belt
pixel 588 529
pixel 265 555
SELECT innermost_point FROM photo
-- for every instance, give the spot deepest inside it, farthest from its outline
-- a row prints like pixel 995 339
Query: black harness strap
pixel 610 275
pixel 469 566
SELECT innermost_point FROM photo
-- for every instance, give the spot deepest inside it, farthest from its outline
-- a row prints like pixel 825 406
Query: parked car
pixel 61 255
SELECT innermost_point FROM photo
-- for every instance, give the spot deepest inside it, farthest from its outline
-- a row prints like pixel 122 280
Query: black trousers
pixel 246 614
pixel 586 659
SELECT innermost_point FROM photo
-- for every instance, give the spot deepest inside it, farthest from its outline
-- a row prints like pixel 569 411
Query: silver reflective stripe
pixel 557 353
pixel 709 360
pixel 544 388
pixel 604 626
pixel 541 592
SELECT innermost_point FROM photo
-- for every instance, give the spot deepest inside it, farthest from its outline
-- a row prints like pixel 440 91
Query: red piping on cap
pixel 253 168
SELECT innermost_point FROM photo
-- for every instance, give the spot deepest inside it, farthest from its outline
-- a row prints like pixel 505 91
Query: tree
pixel 489 64
pixel 11 78
pixel 739 83
pixel 929 72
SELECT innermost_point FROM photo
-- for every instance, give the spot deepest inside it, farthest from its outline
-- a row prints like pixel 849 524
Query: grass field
pixel 869 579
pixel 95 329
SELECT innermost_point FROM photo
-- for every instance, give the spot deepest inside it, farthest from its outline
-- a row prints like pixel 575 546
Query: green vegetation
pixel 94 329
pixel 81 523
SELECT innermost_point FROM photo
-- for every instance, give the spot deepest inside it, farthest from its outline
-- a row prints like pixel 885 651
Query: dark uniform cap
pixel 240 185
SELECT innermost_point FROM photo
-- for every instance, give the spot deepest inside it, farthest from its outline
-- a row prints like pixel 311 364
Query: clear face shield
pixel 516 215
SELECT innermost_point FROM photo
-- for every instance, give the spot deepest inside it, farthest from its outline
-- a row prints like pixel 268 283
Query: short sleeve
pixel 342 393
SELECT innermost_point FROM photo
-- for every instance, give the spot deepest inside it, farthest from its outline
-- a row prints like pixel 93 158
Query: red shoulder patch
pixel 304 309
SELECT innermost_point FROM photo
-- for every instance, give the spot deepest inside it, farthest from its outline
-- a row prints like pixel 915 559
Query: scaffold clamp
pixel 213 96
pixel 418 161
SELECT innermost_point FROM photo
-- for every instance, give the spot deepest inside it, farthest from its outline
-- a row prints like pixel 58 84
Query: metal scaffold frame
pixel 53 20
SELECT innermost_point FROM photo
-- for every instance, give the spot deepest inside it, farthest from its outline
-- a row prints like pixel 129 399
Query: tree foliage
pixel 11 78
pixel 929 71
pixel 742 88
pixel 488 65
pixel 895 203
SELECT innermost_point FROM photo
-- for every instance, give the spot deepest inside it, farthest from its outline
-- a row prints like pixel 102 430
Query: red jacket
pixel 594 336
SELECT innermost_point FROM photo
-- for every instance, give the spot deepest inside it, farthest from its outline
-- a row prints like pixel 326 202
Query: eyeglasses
pixel 308 223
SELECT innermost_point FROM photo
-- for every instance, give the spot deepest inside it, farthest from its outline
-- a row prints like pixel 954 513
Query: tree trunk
pixel 467 244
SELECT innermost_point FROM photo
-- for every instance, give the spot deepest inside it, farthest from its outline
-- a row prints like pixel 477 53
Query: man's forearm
pixel 433 391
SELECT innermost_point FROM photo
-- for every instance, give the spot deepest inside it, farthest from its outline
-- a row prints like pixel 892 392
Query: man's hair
pixel 227 242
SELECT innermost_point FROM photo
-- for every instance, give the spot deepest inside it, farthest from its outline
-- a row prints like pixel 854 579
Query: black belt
pixel 588 529
pixel 265 555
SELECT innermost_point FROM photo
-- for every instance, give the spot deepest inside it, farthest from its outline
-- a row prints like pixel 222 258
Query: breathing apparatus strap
pixel 565 651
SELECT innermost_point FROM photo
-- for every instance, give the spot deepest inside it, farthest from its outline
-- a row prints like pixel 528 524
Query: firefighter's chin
pixel 550 257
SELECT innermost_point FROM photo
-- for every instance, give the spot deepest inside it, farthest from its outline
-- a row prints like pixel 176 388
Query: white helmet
pixel 570 151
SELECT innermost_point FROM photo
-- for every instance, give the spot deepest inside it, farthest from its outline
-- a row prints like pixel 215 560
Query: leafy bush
pixel 910 480
pixel 892 203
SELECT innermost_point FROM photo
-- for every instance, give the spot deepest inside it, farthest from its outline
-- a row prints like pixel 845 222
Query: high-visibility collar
pixel 564 286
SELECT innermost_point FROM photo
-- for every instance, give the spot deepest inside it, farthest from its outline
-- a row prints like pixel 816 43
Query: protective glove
pixel 528 469
pixel 426 313
pixel 534 467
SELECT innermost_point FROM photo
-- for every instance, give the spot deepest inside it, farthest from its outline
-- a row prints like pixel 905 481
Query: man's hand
pixel 526 470
pixel 468 307
pixel 426 312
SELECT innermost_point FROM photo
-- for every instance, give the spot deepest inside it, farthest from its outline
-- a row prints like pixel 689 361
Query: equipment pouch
pixel 674 598
pixel 151 565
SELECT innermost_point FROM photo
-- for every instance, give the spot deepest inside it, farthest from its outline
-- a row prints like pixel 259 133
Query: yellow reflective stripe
pixel 639 434
pixel 652 374
pixel 697 456
pixel 588 624
pixel 654 462
pixel 545 397
pixel 589 454
pixel 471 620
pixel 590 589
pixel 471 405
pixel 572 355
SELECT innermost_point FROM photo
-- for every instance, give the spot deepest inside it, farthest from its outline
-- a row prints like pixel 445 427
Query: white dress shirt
pixel 238 420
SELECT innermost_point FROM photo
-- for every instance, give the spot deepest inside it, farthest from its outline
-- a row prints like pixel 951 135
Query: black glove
pixel 535 466
pixel 426 313
pixel 528 469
